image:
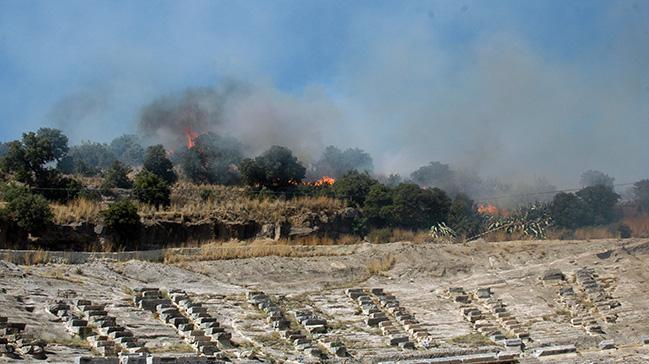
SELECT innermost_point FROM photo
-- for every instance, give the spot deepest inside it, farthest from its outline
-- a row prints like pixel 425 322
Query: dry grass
pixel 380 265
pixel 172 348
pixel 387 235
pixel 323 240
pixel 473 340
pixel 417 237
pixel 77 210
pixel 35 257
pixel 639 225
pixel 198 202
pixel 74 342
pixel 243 250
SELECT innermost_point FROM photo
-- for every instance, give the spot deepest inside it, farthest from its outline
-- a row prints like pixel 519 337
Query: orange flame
pixel 488 209
pixel 324 181
pixel 191 137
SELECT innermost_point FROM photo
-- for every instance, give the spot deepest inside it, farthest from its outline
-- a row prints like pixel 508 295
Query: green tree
pixel 416 208
pixel 117 176
pixel 601 201
pixel 569 211
pixel 335 162
pixel 156 162
pixel 4 148
pixel 463 216
pixel 435 174
pixel 641 194
pixel 122 221
pixel 151 189
pixel 276 168
pixel 87 159
pixel 377 206
pixel 128 149
pixel 354 186
pixel 213 160
pixel 28 158
pixel 26 210
pixel 594 178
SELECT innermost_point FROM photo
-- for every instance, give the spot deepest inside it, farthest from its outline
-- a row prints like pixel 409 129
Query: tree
pixel 26 210
pixel 354 186
pixel 435 174
pixel 463 216
pixel 156 162
pixel 26 159
pixel 275 168
pixel 87 159
pixel 377 206
pixel 416 208
pixel 151 189
pixel 128 149
pixel 569 211
pixel 594 178
pixel 641 194
pixel 117 176
pixel 56 187
pixel 213 160
pixel 4 148
pixel 335 163
pixel 600 200
pixel 122 221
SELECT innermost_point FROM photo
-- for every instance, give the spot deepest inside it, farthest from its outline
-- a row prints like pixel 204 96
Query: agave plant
pixel 443 232
pixel 532 221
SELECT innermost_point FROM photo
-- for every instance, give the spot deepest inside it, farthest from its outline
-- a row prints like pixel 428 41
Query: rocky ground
pixel 576 296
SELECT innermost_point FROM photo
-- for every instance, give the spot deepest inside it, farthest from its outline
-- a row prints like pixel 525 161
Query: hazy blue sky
pixel 509 87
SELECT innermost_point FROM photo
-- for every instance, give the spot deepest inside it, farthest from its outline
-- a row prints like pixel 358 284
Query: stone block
pixel 553 275
pixel 95 360
pixel 395 340
pixel 316 329
pixel 606 345
pixel 150 304
pixel 554 350
pixel 177 321
pixel 376 321
pixel 116 334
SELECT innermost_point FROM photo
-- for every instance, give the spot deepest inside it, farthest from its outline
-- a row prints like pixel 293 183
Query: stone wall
pixel 156 234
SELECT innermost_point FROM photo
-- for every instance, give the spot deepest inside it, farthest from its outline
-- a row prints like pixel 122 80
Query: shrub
pixel 463 216
pixel 56 187
pixel 151 189
pixel 26 210
pixel 275 168
pixel 354 186
pixel 624 231
pixel 380 236
pixel 117 176
pixel 156 162
pixel 122 221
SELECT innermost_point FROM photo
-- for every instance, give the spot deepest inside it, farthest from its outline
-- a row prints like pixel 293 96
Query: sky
pixel 510 88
